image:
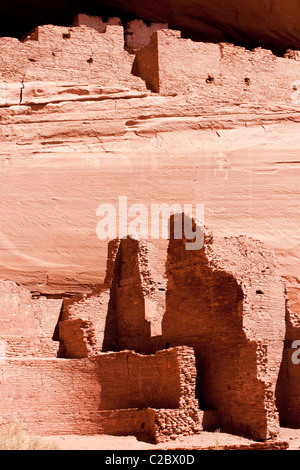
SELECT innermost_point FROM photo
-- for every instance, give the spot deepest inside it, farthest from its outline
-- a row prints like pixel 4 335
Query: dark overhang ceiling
pixel 266 23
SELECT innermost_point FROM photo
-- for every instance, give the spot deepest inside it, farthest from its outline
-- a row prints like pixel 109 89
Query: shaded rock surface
pixel 259 22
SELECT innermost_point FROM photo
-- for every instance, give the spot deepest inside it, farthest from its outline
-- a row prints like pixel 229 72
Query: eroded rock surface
pixel 98 111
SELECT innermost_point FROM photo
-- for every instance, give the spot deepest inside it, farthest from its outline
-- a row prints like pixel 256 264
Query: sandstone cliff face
pixel 67 147
pixel 96 112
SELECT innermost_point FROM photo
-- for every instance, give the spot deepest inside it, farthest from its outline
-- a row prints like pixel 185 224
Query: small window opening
pixel 210 79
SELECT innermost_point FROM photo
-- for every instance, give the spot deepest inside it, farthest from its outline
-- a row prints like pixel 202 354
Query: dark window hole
pixel 210 79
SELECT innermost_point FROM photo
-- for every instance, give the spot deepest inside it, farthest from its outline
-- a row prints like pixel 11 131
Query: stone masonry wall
pixel 139 295
pixel 84 396
pixel 27 325
pixel 126 310
pixel 216 71
pixel 227 302
pixel 88 323
pixel 77 54
pixel 288 385
pixel 138 34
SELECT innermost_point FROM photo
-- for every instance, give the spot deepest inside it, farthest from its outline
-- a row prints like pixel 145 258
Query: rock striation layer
pixel 100 113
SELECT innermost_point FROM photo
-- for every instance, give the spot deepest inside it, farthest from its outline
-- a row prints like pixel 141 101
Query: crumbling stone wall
pixel 88 324
pixel 227 302
pixel 171 65
pixel 95 22
pixel 26 324
pixel 288 385
pixel 126 310
pixel 116 393
pixel 77 54
pixel 140 295
pixel 138 34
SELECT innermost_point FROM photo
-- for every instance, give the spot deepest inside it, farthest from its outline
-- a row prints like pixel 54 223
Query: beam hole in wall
pixel 210 79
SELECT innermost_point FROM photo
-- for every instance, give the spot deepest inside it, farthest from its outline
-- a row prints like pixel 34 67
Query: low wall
pixel 84 396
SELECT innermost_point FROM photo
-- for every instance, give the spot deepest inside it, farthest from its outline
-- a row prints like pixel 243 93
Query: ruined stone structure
pixel 222 322
pixel 115 393
pixel 27 324
pixel 172 341
pixel 166 63
pixel 171 65
pixel 227 301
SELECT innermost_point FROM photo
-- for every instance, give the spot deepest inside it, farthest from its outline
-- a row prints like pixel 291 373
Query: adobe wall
pixel 27 324
pixel 126 310
pixel 59 396
pixel 139 295
pixel 216 71
pixel 88 323
pixel 288 386
pixel 227 301
pixel 138 34
pixel 77 54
